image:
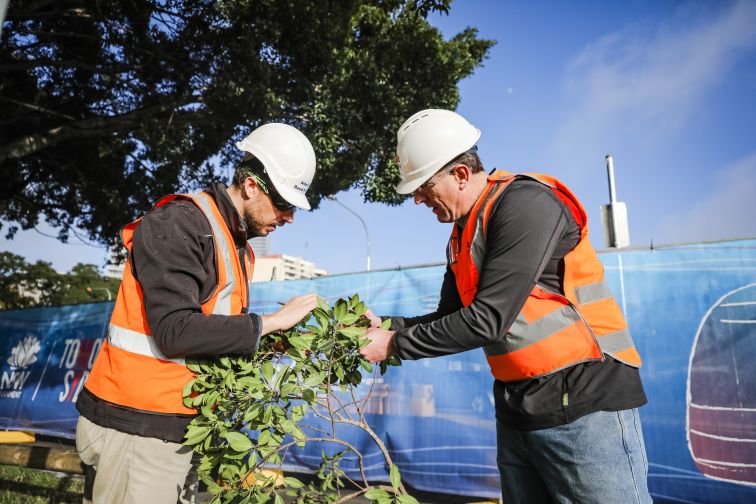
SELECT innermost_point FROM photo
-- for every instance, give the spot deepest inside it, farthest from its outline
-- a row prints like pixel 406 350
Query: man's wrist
pixel 269 323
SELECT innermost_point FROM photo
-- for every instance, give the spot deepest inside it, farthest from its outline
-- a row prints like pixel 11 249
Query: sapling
pixel 252 407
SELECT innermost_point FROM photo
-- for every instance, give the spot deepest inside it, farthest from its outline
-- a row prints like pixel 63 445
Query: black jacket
pixel 529 233
pixel 173 259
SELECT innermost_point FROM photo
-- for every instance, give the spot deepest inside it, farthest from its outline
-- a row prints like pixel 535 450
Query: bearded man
pixel 185 293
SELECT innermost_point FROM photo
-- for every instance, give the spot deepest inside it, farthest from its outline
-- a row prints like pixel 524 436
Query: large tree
pixel 107 105
pixel 25 285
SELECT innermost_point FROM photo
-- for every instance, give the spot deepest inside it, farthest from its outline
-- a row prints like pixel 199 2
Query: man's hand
pixel 379 349
pixel 289 314
pixel 375 320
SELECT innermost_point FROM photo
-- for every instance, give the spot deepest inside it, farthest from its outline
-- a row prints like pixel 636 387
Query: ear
pixel 250 188
pixel 462 174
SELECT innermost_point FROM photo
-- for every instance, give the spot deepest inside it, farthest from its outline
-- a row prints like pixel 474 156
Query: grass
pixel 19 485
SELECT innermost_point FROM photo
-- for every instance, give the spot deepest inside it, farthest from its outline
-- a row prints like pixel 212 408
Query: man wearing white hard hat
pixel 524 284
pixel 185 293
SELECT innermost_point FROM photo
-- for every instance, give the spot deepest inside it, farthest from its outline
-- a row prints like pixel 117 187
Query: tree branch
pixel 37 108
pixel 94 126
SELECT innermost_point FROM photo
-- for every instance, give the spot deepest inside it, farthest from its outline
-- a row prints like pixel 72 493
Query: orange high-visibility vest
pixel 130 369
pixel 553 331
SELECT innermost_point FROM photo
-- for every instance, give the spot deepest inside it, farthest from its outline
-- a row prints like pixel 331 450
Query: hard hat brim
pixel 293 196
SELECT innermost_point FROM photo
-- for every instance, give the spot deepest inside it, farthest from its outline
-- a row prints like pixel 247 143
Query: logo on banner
pixel 23 355
pixel 78 358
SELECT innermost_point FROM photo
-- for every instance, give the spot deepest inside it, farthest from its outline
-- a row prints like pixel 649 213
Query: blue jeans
pixel 598 458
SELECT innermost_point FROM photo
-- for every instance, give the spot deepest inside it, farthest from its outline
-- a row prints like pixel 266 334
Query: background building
pixel 284 267
pixel 260 246
pixel 267 267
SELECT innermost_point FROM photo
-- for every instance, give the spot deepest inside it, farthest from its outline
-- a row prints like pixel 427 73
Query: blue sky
pixel 668 88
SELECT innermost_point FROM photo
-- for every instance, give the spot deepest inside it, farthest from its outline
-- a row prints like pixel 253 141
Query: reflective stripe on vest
pixel 130 369
pixel 138 343
pixel 552 331
pixel 223 302
pixel 523 334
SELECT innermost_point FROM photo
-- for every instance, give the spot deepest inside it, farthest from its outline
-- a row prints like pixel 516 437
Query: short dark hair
pixel 248 166
pixel 468 158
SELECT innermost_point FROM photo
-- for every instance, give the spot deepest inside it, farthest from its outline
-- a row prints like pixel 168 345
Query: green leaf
pixel 267 414
pixel 376 493
pixel 187 389
pixel 193 366
pixel 298 412
pixel 287 389
pixel 299 435
pixel 366 366
pixel 212 486
pixel 313 329
pixel 352 332
pixel 349 319
pixel 287 426
pixel 308 395
pixel 325 345
pixel 319 313
pixel 386 324
pixel 315 379
pixel 195 434
pixel 308 339
pixel 264 437
pixel 298 342
pixel 293 482
pixel 295 353
pixel 251 382
pixel 323 321
pixel 238 442
pixel 339 371
pixel 282 375
pixel 207 411
pixel 407 499
pixel 323 304
pixel 267 370
pixel 235 456
pixel 339 310
pixel 396 479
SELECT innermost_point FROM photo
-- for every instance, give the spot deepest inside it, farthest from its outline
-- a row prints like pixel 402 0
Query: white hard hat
pixel 288 158
pixel 427 141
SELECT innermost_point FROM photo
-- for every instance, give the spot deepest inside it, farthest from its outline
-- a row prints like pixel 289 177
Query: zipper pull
pixel 565 399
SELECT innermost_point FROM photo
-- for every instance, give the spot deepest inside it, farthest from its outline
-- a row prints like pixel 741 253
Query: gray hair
pixel 468 158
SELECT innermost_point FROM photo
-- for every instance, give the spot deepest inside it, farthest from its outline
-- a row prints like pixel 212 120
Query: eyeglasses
pixel 275 197
pixel 428 184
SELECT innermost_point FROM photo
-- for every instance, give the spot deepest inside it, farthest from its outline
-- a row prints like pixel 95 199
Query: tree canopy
pixel 106 106
pixel 25 285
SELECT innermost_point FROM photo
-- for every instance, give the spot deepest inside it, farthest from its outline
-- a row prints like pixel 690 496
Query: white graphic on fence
pixel 23 355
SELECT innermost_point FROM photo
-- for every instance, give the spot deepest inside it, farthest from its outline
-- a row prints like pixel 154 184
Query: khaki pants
pixel 132 469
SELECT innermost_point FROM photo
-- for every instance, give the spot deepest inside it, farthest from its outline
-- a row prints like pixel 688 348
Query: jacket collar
pixel 230 215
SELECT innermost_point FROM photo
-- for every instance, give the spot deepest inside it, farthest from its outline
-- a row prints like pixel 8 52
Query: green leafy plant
pixel 251 412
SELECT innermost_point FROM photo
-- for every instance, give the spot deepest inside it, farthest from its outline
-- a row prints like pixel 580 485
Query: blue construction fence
pixel 691 309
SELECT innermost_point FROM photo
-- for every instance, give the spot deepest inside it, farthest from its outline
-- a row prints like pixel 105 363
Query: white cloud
pixel 729 210
pixel 640 84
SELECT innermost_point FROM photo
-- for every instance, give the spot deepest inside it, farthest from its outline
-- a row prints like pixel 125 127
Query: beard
pixel 254 226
